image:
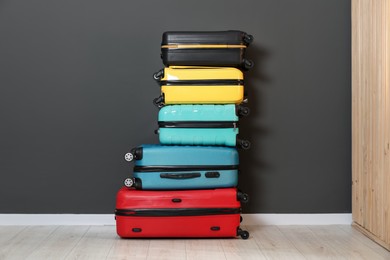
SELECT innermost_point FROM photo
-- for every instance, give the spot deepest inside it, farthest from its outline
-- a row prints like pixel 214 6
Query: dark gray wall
pixel 76 93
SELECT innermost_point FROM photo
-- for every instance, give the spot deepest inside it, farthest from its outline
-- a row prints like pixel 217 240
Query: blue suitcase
pixel 159 167
pixel 201 125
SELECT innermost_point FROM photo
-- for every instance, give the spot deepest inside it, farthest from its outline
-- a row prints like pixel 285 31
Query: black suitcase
pixel 212 48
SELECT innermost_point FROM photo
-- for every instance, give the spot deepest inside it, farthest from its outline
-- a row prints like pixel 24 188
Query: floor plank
pixel 95 244
pixel 21 245
pixel 358 237
pixel 238 248
pixel 8 232
pixel 273 244
pixel 307 243
pixel 135 249
pixel 167 249
pixel 59 243
pixel 204 249
pixel 344 244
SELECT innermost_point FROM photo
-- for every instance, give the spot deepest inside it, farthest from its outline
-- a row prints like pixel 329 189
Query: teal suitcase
pixel 201 125
pixel 174 167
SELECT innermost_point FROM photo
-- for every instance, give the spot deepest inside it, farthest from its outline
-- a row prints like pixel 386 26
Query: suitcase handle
pixel 179 176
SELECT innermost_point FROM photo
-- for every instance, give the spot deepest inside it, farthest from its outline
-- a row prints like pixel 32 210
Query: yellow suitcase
pixel 200 85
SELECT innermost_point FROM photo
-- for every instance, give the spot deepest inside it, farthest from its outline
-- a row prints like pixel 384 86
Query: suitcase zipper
pixel 198 124
pixel 170 168
pixel 176 212
pixel 212 82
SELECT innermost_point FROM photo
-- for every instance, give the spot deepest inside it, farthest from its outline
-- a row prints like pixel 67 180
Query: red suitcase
pixel 179 213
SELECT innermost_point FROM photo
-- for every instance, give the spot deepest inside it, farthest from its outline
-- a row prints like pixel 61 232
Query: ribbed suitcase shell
pixel 198 116
pixel 207 48
pixel 201 85
pixel 189 213
pixel 186 167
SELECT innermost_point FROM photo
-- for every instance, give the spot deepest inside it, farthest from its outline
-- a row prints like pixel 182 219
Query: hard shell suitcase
pixel 207 48
pixel 200 85
pixel 159 167
pixel 189 213
pixel 201 125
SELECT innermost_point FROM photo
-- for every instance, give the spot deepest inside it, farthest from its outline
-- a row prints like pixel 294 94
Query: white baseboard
pixel 297 219
pixel 56 219
pixel 108 219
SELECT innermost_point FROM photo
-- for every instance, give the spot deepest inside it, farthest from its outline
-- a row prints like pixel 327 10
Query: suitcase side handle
pixel 179 176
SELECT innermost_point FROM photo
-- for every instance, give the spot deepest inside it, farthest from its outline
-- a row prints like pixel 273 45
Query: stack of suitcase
pixel 187 185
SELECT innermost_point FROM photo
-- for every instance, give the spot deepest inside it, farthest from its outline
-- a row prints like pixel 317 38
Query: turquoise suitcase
pixel 201 125
pixel 159 167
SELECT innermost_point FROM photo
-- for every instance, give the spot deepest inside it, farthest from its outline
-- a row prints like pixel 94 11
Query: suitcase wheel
pixel 242 197
pixel 248 64
pixel 244 144
pixel 129 157
pixel 248 39
pixel 128 182
pixel 158 102
pixel 243 111
pixel 242 233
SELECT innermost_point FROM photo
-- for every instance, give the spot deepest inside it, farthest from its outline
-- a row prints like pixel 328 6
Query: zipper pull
pixel 234 125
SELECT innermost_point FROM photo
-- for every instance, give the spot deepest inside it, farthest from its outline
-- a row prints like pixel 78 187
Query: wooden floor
pixel 265 242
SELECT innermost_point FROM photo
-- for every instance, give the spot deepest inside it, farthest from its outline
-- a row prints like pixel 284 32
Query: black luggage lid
pixel 206 37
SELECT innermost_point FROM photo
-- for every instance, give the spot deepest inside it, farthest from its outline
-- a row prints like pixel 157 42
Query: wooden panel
pixel 371 116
